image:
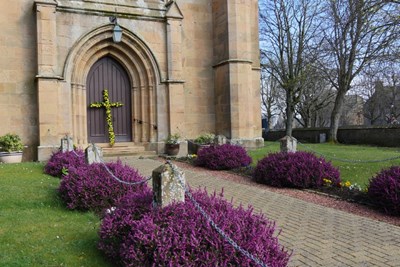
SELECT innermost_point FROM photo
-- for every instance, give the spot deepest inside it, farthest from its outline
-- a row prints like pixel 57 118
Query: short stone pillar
pixel 94 154
pixel 67 144
pixel 168 185
pixel 288 144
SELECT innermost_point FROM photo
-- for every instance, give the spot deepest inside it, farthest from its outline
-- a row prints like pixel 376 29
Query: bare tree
pixel 356 32
pixel 390 92
pixel 316 95
pixel 286 32
pixel 270 97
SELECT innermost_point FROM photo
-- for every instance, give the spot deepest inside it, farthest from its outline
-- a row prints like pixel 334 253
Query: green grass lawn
pixel 359 173
pixel 36 229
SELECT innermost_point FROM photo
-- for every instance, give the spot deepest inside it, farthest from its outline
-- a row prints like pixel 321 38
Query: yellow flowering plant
pixel 347 184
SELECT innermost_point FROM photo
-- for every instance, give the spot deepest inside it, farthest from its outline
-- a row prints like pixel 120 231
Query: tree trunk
pixel 289 121
pixel 269 118
pixel 289 113
pixel 314 120
pixel 335 116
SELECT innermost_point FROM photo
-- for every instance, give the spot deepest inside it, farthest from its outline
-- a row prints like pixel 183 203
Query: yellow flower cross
pixel 108 105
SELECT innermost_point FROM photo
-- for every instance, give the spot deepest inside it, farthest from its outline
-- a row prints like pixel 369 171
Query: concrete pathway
pixel 318 236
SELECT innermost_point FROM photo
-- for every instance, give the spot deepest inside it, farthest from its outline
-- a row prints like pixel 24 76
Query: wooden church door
pixel 108 74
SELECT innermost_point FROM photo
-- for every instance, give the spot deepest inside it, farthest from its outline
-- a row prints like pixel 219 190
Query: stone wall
pixel 197 62
pixel 194 65
pixel 388 136
pixel 18 64
pixel 236 69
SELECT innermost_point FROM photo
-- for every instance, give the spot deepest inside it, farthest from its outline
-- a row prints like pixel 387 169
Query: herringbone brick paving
pixel 318 236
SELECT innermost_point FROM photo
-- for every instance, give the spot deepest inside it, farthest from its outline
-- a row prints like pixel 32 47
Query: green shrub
pixel 11 142
pixel 205 139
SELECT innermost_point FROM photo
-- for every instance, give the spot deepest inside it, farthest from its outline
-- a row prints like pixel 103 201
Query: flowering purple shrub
pixel 178 235
pixel 59 161
pixel 223 157
pixel 117 225
pixel 299 169
pixel 91 187
pixel 384 190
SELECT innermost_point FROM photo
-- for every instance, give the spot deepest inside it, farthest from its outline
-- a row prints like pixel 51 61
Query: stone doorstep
pixel 126 149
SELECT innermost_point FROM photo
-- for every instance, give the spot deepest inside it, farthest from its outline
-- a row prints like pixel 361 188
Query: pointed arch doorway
pixel 107 73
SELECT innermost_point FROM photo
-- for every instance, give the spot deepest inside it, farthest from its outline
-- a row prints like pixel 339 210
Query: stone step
pixel 126 149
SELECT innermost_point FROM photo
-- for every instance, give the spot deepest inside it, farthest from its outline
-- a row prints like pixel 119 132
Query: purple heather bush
pixel 384 190
pixel 64 160
pixel 91 187
pixel 299 169
pixel 117 225
pixel 223 157
pixel 137 234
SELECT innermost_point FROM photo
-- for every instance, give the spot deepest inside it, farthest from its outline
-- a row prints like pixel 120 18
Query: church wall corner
pixel 192 73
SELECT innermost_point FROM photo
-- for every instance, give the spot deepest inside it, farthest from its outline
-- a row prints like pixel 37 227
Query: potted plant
pixel 11 148
pixel 203 140
pixel 172 144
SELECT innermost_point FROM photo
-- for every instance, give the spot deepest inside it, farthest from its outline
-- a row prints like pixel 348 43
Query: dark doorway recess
pixel 108 74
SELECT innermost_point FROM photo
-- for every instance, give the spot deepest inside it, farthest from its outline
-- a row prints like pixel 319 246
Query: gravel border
pixel 306 195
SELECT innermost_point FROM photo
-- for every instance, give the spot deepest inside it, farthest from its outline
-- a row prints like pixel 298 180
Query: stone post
pixel 220 140
pixel 288 144
pixel 322 137
pixel 67 144
pixel 94 154
pixel 167 188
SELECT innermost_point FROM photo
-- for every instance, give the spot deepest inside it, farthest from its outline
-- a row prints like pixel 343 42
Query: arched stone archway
pixel 144 75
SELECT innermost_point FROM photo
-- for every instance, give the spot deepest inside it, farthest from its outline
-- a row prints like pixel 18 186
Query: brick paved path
pixel 319 236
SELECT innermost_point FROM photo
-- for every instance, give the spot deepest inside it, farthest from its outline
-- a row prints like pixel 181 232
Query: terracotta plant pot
pixel 10 157
pixel 172 149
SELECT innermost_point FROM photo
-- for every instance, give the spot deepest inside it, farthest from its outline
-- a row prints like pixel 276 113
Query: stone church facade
pixel 184 66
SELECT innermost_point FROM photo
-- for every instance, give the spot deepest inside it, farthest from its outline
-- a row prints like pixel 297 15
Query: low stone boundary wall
pixel 387 136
